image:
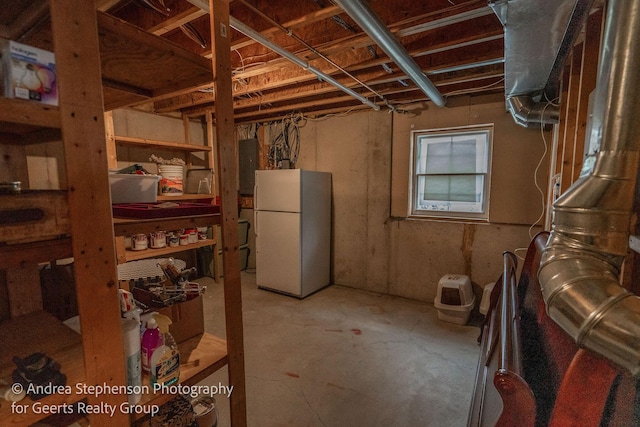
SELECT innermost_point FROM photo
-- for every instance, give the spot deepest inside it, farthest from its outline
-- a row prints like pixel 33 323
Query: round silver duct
pixel 581 264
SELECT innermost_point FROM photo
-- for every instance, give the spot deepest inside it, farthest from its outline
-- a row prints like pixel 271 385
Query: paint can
pixel 158 239
pixel 139 242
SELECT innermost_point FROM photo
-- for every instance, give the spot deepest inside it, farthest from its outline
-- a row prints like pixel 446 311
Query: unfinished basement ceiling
pixel 457 44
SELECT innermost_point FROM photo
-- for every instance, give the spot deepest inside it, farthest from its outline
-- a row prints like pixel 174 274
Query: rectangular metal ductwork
pixel 538 35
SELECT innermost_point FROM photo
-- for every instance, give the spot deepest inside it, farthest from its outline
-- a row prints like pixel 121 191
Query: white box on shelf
pixel 133 188
pixel 454 299
pixel 28 72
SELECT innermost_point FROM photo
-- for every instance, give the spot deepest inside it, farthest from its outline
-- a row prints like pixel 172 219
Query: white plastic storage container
pixel 486 298
pixel 133 188
pixel 454 299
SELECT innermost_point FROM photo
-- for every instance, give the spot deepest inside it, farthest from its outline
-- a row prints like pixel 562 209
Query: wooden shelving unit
pixel 63 224
pixel 28 334
pixel 96 356
pixel 182 147
pixel 127 227
pixel 152 143
pixel 191 197
pixel 18 111
pixel 160 252
pixel 200 357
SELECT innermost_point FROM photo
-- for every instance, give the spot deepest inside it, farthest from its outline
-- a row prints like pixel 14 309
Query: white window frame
pixel 476 210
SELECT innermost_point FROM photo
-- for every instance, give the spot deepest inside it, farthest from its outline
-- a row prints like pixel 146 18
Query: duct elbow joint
pixel 583 296
pixel 527 112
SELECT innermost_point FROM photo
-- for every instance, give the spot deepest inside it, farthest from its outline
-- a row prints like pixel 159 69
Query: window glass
pixel 451 172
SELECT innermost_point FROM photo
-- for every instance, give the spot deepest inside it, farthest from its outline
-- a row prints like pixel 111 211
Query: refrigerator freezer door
pixel 278 190
pixel 278 251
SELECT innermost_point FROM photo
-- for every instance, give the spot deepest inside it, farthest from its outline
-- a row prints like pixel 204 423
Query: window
pixel 451 172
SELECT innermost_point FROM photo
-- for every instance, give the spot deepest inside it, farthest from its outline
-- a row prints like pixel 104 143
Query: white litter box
pixel 454 299
pixel 486 298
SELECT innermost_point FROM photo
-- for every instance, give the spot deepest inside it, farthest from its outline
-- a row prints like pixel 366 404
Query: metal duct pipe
pixel 251 33
pixel 527 112
pixel 380 34
pixel 580 266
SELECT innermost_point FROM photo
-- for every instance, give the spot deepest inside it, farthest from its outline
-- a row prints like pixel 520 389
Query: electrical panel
pixel 248 154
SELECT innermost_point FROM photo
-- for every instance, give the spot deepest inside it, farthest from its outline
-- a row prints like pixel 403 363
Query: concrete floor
pixel 345 357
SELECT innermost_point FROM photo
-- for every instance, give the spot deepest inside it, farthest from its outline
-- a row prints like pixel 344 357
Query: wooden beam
pixel 104 5
pixel 411 24
pixel 362 41
pixel 75 38
pixel 373 79
pixel 323 100
pixel 176 21
pixel 466 56
pixel 343 109
pixel 320 15
pixel 110 137
pixel 123 87
pixel 571 122
pixel 33 13
pixel 128 33
pixel 32 253
pixel 298 75
pixel 134 60
pixel 227 166
pixel 29 113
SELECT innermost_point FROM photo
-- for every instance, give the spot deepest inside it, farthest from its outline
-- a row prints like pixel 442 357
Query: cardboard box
pixel 28 72
pixel 187 318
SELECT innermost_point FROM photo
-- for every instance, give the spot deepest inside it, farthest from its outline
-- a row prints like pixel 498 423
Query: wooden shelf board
pixel 40 332
pixel 130 140
pixel 132 59
pixel 50 206
pixel 35 252
pixel 185 196
pixel 129 227
pixel 200 357
pixel 30 113
pixel 155 253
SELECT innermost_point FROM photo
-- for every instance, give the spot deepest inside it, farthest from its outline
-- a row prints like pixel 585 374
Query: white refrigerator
pixel 292 209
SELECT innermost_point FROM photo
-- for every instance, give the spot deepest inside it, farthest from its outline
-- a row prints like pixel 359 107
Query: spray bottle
pixel 165 360
pixel 151 340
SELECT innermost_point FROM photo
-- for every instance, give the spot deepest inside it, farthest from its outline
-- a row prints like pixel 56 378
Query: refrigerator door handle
pixel 255 221
pixel 255 209
pixel 255 197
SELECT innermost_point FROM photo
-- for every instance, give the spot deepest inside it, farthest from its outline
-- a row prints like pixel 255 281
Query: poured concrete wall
pixel 375 246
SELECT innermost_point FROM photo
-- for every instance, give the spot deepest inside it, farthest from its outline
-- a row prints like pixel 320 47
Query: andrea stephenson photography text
pixel 98 390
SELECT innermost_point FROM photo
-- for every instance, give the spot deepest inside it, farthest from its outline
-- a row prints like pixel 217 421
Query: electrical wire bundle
pixel 285 141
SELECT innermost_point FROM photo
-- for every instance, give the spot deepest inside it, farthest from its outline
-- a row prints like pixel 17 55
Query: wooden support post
pixel 211 140
pixel 227 168
pixel 110 135
pixel 187 139
pixel 75 39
